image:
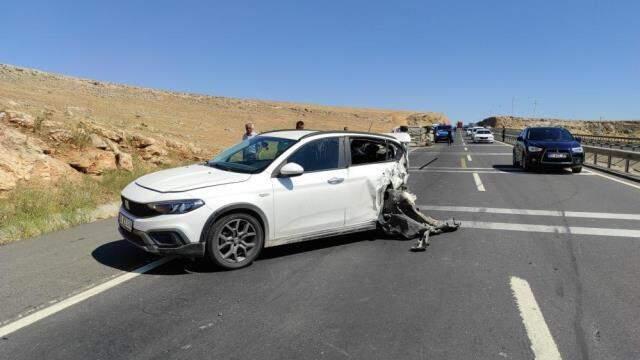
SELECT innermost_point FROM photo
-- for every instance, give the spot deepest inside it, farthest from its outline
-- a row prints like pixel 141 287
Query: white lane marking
pixel 469 157
pixel 466 148
pixel 48 311
pixel 476 178
pixel 464 153
pixel 467 170
pixel 504 144
pixel 542 343
pixel 557 213
pixel 614 179
pixel 557 229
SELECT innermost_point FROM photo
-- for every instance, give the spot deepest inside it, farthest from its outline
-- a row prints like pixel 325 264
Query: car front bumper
pixel 538 159
pixel 147 242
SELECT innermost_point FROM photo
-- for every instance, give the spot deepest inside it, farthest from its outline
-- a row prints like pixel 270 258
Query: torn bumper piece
pixel 401 217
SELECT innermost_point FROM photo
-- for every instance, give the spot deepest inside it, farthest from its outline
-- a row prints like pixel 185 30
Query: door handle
pixel 335 180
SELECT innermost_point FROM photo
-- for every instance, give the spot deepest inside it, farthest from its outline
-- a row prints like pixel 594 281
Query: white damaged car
pixel 275 188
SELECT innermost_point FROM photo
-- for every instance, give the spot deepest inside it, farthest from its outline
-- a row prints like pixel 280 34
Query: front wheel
pixel 235 241
pixel 524 163
pixel 576 170
pixel 515 162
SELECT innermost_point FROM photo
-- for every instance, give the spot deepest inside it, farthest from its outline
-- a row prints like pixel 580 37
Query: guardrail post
pixel 609 161
pixel 626 166
pixel 595 158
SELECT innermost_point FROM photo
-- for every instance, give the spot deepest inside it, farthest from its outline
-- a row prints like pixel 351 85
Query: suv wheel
pixel 524 163
pixel 235 241
pixel 515 162
pixel 576 170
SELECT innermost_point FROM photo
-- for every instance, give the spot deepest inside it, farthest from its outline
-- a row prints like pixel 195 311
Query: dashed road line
pixel 478 182
pixel 469 157
pixel 542 343
pixel 463 163
pixel 556 229
pixel 553 213
pixel 48 311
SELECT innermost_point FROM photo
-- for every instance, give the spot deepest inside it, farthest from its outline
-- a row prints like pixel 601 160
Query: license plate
pixel 125 222
pixel 557 155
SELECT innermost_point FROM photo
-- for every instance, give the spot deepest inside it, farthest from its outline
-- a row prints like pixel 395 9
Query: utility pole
pixel 535 104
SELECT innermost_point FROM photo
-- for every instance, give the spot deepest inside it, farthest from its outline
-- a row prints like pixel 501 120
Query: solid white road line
pixel 48 311
pixel 469 157
pixel 557 229
pixel 467 170
pixel 476 178
pixel 542 343
pixel 556 213
pixel 464 153
pixel 615 179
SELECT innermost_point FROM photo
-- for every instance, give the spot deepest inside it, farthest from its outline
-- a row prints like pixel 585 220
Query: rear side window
pixel 395 152
pixel 318 155
pixel 368 151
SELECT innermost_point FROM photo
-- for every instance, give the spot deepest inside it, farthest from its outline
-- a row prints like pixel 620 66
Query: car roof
pixel 299 134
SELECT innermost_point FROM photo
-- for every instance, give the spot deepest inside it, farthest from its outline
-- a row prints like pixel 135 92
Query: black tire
pixel 238 253
pixel 516 164
pixel 576 170
pixel 524 163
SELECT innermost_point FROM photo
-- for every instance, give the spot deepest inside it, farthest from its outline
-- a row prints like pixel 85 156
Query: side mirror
pixel 519 138
pixel 291 169
pixel 578 139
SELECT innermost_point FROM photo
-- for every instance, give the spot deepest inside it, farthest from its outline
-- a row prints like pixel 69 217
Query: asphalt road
pixel 513 283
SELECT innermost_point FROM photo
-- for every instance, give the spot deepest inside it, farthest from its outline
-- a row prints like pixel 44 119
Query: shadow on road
pixel 124 256
pixel 121 255
pixel 511 169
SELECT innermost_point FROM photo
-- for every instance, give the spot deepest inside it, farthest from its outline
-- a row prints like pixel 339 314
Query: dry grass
pixel 33 210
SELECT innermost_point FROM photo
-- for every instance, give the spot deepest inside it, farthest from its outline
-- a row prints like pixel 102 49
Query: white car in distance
pixel 483 135
pixel 275 188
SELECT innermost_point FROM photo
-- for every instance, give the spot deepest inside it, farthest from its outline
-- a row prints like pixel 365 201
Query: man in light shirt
pixel 251 152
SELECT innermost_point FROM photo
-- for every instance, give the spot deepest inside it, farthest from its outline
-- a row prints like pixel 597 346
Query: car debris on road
pixel 401 217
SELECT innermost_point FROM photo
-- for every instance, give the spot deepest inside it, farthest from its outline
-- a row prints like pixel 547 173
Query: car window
pixel 252 155
pixel 549 134
pixel 483 132
pixel 395 152
pixel 368 151
pixel 318 155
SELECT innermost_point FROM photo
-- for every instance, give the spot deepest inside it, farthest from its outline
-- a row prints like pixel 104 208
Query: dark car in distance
pixel 548 147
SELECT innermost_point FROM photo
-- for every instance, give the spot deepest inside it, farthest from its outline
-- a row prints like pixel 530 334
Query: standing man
pixel 300 125
pixel 250 152
pixel 503 133
pixel 248 131
pixel 449 136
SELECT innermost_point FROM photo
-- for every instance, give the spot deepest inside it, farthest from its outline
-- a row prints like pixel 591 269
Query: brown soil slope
pixel 209 122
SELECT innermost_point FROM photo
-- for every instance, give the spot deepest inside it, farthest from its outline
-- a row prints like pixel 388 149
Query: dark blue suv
pixel 548 147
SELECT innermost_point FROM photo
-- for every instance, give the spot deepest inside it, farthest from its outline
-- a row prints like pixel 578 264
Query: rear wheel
pixel 576 170
pixel 235 241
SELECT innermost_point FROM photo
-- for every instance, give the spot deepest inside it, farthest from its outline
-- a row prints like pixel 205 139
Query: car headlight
pixel 578 149
pixel 534 149
pixel 176 206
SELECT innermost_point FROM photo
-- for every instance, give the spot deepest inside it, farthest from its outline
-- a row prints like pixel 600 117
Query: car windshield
pixel 549 134
pixel 483 132
pixel 252 155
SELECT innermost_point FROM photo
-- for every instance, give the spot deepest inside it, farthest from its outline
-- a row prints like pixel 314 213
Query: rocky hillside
pixel 629 128
pixel 54 126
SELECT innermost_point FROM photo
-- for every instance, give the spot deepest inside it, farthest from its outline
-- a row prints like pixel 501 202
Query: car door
pixel 369 158
pixel 314 202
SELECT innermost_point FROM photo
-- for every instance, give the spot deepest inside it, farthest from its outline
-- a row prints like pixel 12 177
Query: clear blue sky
pixel 468 59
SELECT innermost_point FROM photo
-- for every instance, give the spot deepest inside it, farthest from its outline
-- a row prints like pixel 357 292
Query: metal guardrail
pixel 619 161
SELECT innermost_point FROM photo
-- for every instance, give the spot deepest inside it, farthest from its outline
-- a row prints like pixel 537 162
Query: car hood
pixel 189 178
pixel 562 145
